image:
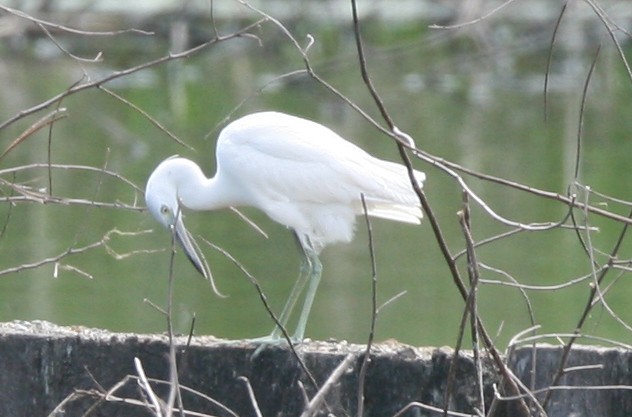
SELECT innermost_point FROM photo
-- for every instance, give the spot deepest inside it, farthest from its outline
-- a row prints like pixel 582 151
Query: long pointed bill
pixel 193 252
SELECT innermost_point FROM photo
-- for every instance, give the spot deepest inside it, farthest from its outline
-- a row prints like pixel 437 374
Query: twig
pixel 123 73
pixel 47 120
pixel 315 403
pixel 549 60
pixel 374 312
pixel 113 174
pixel 97 58
pixel 251 395
pixel 266 305
pixel 103 242
pixel 403 141
pixel 144 384
pixel 516 340
pixel 475 21
pixel 585 314
pixel 472 302
pixel 41 22
pixel 413 405
pixel 151 119
pixel 174 387
pixel 249 222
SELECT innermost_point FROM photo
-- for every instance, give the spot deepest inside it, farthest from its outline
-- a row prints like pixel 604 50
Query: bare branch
pixel 123 73
pixel 43 23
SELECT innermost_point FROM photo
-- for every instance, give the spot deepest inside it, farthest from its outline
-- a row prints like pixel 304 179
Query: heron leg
pixel 297 289
pixel 315 271
pixel 310 270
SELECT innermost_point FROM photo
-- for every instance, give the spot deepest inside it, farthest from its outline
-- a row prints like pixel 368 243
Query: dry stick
pixel 39 165
pixel 477 20
pixel 613 254
pixel 580 130
pixel 469 311
pixel 457 348
pixel 196 393
pixel 610 28
pixel 266 305
pixel 561 224
pixel 7 218
pixel 446 165
pixel 442 164
pixel 374 311
pixel 149 117
pixel 118 74
pixel 28 196
pixel 431 408
pixel 530 311
pixel 49 119
pixel 26 16
pixel 144 384
pixel 53 259
pixel 549 60
pixel 433 221
pixel 110 397
pixel 50 36
pixel 585 313
pixel 77 394
pixel 314 404
pixel 85 219
pixel 251 395
pixel 49 152
pixel 570 201
pixel 97 189
pixel 436 161
pixel 174 390
pixel 254 94
pixel 582 109
pixel 474 278
pixel 557 336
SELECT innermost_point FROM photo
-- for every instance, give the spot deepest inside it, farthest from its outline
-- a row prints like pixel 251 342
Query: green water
pixel 459 101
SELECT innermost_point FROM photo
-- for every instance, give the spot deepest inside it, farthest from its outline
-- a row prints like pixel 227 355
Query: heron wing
pixel 281 157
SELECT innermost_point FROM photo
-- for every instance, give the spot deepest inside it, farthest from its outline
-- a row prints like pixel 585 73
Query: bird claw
pixel 271 340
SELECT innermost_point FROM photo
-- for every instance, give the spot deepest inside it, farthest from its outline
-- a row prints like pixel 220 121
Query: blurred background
pixel 472 95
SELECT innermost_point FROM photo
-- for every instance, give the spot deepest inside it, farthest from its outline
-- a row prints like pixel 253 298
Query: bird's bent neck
pixel 197 192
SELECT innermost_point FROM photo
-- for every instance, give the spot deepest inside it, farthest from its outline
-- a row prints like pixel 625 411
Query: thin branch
pixel 268 309
pixel 123 73
pixel 403 141
pixel 314 405
pixel 41 22
pixel 585 313
pixel 151 119
pixel 103 242
pixel 47 120
pixel 156 404
pixel 549 60
pixel 374 312
pixel 475 21
pixel 251 395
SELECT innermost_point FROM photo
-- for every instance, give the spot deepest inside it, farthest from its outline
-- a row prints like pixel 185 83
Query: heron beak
pixel 193 252
pixel 191 248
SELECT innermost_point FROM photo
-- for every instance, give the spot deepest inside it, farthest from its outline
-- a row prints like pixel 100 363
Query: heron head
pixel 161 197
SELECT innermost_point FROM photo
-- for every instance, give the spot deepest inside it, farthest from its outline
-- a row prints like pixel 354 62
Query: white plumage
pixel 301 174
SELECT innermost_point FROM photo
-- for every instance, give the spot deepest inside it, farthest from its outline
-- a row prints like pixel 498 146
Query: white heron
pixel 298 172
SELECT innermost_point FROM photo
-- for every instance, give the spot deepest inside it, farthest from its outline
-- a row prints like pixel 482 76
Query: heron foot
pixel 271 340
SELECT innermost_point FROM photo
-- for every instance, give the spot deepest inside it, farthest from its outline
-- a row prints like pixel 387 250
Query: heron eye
pixel 164 209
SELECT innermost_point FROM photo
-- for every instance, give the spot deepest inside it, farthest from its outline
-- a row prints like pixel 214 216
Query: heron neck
pixel 201 193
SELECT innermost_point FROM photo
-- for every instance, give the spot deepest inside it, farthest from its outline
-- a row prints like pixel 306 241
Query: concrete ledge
pixel 597 380
pixel 41 364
